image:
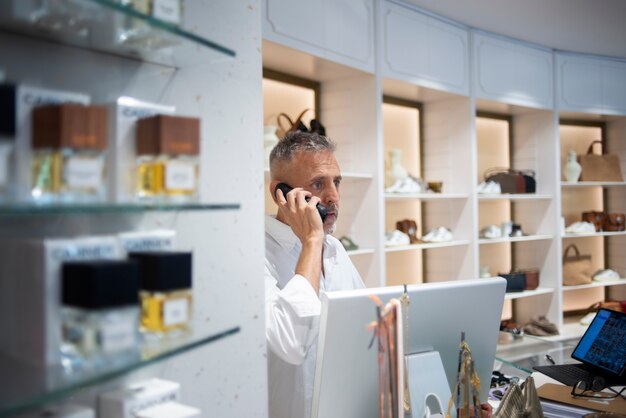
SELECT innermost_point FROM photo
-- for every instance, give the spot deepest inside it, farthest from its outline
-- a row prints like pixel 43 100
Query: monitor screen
pixel 346 376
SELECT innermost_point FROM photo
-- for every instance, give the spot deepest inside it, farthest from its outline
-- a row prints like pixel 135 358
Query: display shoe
pixel 581 228
pixel 541 326
pixel 605 275
pixel 348 244
pixel 409 227
pixel 406 185
pixel 396 238
pixel 489 187
pixel 491 232
pixel 440 234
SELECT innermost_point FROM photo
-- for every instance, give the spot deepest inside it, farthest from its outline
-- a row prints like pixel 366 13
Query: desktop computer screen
pixel 346 376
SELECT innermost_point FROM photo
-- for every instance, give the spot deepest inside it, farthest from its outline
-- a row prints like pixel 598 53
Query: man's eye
pixel 337 183
pixel 317 185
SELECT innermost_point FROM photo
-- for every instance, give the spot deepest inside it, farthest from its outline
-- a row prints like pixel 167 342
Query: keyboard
pixel 570 374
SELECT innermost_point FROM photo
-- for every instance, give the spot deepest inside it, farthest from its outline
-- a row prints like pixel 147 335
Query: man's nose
pixel 331 195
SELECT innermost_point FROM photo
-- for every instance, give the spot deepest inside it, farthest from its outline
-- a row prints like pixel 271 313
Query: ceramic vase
pixel 572 167
pixel 395 171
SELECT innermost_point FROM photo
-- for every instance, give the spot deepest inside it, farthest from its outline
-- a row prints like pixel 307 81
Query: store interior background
pixel 358 53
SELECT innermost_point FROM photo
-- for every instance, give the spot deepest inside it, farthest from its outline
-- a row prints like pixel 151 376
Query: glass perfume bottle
pixel 166 294
pixel 137 33
pixel 100 314
pixel 167 158
pixel 69 158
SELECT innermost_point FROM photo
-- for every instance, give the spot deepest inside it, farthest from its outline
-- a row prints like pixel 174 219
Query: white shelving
pixel 391 197
pixel 528 293
pixel 427 246
pixel 513 197
pixel 595 234
pixel 619 282
pixel 593 184
pixel 363 251
pixel 482 241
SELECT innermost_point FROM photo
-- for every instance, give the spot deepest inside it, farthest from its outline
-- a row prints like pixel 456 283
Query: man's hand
pixel 306 223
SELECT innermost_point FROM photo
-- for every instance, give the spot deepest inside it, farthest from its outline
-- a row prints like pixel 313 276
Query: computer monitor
pixel 346 375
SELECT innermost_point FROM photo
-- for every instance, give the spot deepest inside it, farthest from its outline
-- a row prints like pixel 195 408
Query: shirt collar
pixel 284 236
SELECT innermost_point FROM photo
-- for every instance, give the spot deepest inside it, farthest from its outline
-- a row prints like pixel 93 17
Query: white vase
pixel 270 139
pixel 572 167
pixel 395 171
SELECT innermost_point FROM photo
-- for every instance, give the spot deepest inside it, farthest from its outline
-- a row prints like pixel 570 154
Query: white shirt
pixel 292 312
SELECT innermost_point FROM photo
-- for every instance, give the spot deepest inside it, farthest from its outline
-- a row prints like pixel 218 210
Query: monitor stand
pixel 428 385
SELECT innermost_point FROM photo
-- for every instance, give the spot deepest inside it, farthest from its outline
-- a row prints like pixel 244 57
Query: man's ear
pixel 272 187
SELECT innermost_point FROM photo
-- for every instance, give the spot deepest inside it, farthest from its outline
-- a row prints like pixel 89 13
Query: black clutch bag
pixel 515 281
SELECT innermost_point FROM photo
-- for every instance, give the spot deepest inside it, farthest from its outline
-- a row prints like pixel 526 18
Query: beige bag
pixel 520 401
pixel 576 268
pixel 600 167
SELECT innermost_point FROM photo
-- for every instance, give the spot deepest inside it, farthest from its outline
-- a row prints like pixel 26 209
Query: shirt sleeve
pixel 292 317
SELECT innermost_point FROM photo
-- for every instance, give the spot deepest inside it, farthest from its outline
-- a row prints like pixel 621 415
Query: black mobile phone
pixel 285 188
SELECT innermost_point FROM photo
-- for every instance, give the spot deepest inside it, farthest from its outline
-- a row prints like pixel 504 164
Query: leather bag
pixel 287 125
pixel 512 181
pixel 577 268
pixel 532 278
pixel 515 281
pixel 614 222
pixel 596 218
pixel 520 401
pixel 600 167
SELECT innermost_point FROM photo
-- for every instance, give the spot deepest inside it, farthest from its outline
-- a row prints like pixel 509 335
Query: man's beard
pixel 332 228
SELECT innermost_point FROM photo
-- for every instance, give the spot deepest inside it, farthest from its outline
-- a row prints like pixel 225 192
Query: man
pixel 302 260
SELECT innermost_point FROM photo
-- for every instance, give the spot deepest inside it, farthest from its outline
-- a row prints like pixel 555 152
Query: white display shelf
pixel 426 246
pixel 397 197
pixel 539 237
pixel 619 282
pixel 521 196
pixel 346 175
pixel 566 184
pixel 595 234
pixel 362 251
pixel 528 293
pixel 571 329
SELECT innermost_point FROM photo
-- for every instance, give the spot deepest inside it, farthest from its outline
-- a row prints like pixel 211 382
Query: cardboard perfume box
pixel 144 241
pixel 20 101
pixel 123 116
pixel 170 410
pixel 128 401
pixel 30 292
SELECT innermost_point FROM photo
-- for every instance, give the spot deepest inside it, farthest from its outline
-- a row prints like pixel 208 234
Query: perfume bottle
pixel 100 313
pixel 137 33
pixel 166 295
pixel 167 158
pixel 69 158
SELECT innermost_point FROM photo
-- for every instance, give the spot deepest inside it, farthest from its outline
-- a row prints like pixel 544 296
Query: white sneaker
pixel 406 185
pixel 605 275
pixel 489 187
pixel 581 228
pixel 440 234
pixel 491 232
pixel 396 238
pixel 586 320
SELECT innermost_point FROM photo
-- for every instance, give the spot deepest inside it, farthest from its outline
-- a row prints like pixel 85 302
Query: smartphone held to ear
pixel 285 188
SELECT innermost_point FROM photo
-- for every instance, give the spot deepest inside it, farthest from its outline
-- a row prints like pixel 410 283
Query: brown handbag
pixel 532 278
pixel 600 167
pixel 512 181
pixel 596 218
pixel 286 125
pixel 614 222
pixel 577 268
pixel 409 227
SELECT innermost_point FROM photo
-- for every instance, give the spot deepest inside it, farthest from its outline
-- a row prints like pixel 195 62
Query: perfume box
pixel 147 241
pixel 123 116
pixel 30 292
pixel 18 104
pixel 170 410
pixel 127 402
pixel 62 411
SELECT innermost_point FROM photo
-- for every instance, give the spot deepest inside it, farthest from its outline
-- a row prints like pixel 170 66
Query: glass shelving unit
pixel 26 387
pixel 31 209
pixel 110 27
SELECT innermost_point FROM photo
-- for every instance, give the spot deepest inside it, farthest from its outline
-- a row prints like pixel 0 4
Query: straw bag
pixel 600 167
pixel 520 401
pixel 576 268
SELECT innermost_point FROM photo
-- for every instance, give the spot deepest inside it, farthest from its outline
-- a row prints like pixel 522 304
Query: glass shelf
pixel 25 387
pixel 30 209
pixel 110 27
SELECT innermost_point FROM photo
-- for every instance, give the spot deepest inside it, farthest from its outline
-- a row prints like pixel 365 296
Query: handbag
pixel 577 268
pixel 287 125
pixel 600 167
pixel 614 222
pixel 515 281
pixel 532 278
pixel 512 181
pixel 520 401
